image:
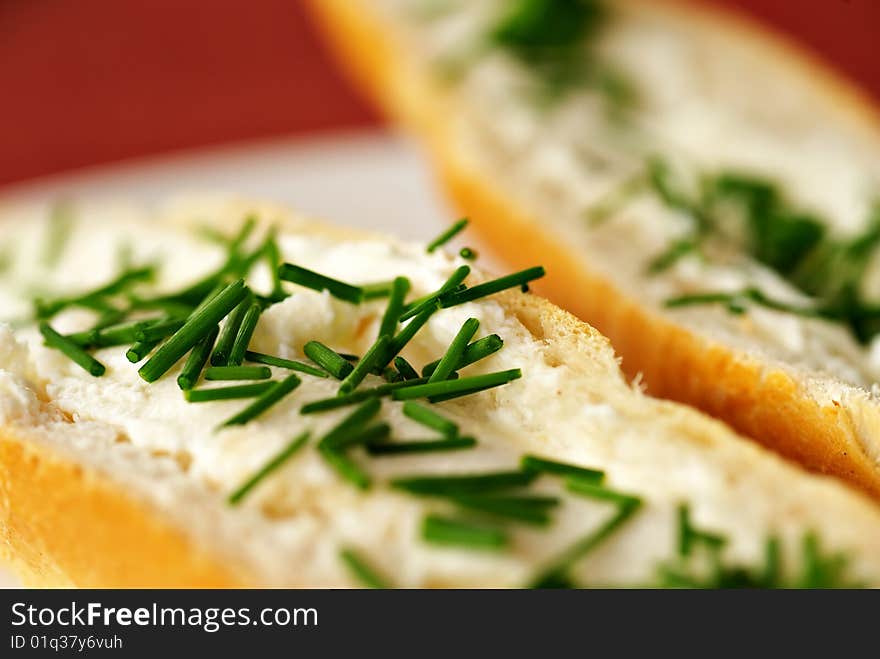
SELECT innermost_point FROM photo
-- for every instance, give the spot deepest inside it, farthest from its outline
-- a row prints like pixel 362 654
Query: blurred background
pixel 88 82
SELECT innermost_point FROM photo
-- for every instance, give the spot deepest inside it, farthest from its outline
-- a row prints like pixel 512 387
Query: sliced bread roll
pixel 116 471
pixel 704 194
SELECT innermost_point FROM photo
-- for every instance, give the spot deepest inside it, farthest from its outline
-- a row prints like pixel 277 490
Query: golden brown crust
pixel 768 405
pixel 64 525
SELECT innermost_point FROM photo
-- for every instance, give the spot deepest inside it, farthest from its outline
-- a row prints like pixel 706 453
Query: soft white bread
pixel 562 180
pixel 113 481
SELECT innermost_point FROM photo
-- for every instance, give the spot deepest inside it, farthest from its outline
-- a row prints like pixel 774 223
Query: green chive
pixel 455 351
pixel 156 331
pixel 352 424
pixel 72 350
pixel 273 464
pixel 362 571
pixel 196 327
pixel 528 509
pixel 447 235
pixel 328 359
pixel 60 227
pixel 448 531
pixel 228 393
pixel 110 335
pixel 589 488
pixel 542 465
pixel 468 254
pixel 491 287
pixel 688 535
pixel 463 484
pixel 265 400
pixel 407 372
pixel 140 350
pixel 358 396
pixel 462 386
pixel 377 290
pixel 376 353
pixel 197 359
pixel 273 259
pixel 429 418
pixel 394 310
pixel 479 349
pixel 318 282
pixel 555 571
pixel 374 434
pixel 226 339
pixel 430 446
pixel 45 309
pixel 347 468
pixel 289 364
pixel 238 373
pixel 406 334
pixel 245 332
pixel 451 284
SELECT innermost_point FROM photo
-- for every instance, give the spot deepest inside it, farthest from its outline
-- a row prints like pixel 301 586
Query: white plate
pixel 369 180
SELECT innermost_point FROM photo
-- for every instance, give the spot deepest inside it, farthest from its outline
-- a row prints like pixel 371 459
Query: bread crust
pixel 765 403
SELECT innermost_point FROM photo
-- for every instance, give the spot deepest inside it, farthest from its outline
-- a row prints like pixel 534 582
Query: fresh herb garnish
pixel 289 364
pixel 245 332
pixel 454 532
pixel 350 431
pixel 479 349
pixel 406 370
pixel 358 396
pixel 445 486
pixel 198 357
pixel 264 401
pixel 455 351
pixel 319 282
pixel 533 463
pixel 418 306
pixel 76 354
pixel 328 359
pixel 448 389
pixel 228 393
pixel 447 235
pixel 427 446
pixel 360 569
pixel 491 287
pixel 226 339
pixel 399 289
pixel 468 254
pixel 283 456
pixel 238 373
pixel 430 419
pixel 140 350
pixel 375 358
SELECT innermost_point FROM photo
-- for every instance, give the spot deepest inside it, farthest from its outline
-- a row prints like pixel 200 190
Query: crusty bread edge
pixel 766 404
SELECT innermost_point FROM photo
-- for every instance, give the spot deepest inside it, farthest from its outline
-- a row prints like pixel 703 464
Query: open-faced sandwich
pixel 221 393
pixel 702 193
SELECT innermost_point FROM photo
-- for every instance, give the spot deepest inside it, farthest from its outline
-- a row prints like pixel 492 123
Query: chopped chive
pixel 448 531
pixel 394 310
pixel 462 386
pixel 45 309
pixel 429 418
pixel 352 424
pixel 289 364
pixel 319 282
pixel 140 350
pixel 430 446
pixel 238 373
pixel 273 259
pixel 542 465
pixel 589 488
pixel 391 375
pixel 328 359
pixel 159 330
pixel 226 339
pixel 279 459
pixel 479 349
pixel 447 235
pixel 349 357
pixel 239 239
pixel 468 254
pixel 405 369
pixel 377 290
pixel 555 572
pixel 245 332
pixel 406 334
pixel 491 287
pixel 688 535
pixel 361 570
pixel 197 359
pixel 196 327
pixel 264 401
pixel 358 396
pixel 377 352
pixel 528 509
pixel 463 484
pixel 451 359
pixel 72 350
pixel 347 468
pixel 110 335
pixel 228 393
pixel 60 227
pixel 451 284
pixel 374 434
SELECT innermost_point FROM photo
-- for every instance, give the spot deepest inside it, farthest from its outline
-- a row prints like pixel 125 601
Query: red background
pixel 91 81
